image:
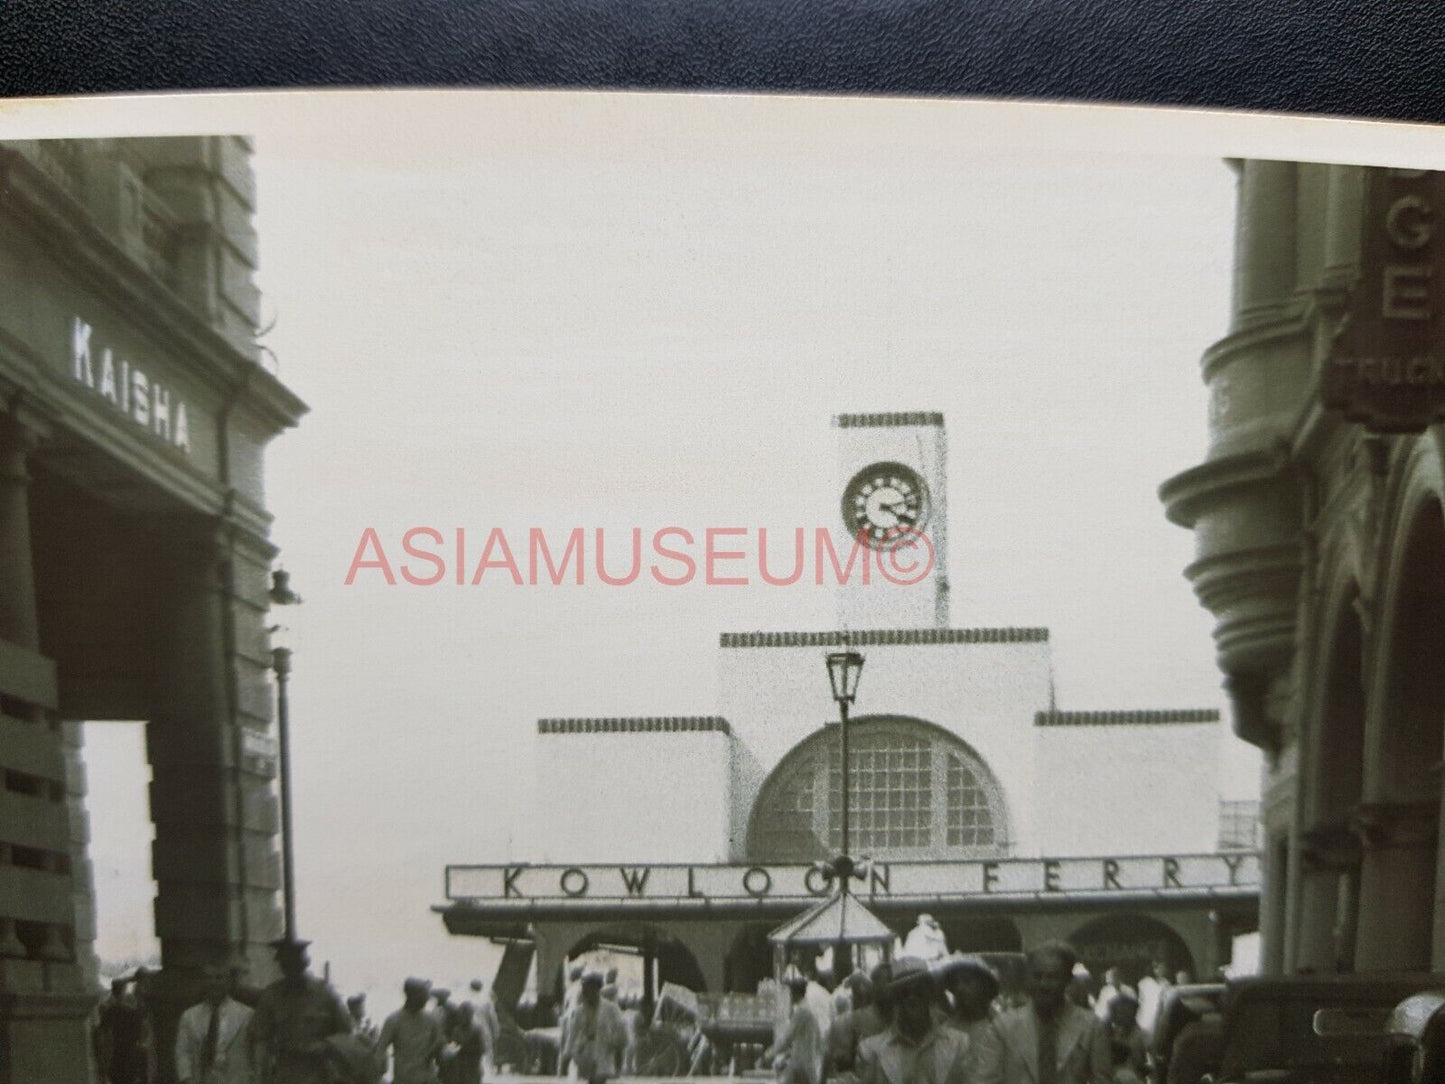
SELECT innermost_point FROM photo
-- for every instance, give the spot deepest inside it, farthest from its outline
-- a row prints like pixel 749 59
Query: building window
pixel 1239 826
pixel 915 791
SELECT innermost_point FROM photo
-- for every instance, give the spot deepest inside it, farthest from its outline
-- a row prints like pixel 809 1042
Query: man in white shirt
pixel 213 1042
pixel 926 941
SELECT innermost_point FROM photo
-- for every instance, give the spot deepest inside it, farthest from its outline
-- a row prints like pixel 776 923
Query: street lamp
pixel 282 595
pixel 844 669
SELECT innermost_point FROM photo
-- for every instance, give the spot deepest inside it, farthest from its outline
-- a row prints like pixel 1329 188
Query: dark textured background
pixel 1370 58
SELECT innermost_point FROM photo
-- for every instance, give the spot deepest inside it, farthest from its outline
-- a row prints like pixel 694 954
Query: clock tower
pixel 893 505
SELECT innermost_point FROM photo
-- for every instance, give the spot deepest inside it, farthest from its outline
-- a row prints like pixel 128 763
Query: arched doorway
pixel 1132 943
pixel 1330 854
pixel 675 962
pixel 1400 822
pixel 916 791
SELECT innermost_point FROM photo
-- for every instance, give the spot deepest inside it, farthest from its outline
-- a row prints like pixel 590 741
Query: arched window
pixel 915 791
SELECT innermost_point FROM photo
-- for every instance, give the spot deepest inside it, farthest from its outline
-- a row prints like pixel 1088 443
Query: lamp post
pixel 282 595
pixel 281 666
pixel 844 669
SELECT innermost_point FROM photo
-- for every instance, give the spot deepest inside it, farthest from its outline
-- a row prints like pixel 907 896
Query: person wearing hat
pixel 971 986
pixel 413 1036
pixel 864 1020
pixel 213 1044
pixel 595 1036
pixel 914 1049
pixel 1051 1040
pixel 798 1051
pixel 294 1019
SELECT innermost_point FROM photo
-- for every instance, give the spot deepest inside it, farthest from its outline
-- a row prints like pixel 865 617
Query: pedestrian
pixel 1152 988
pixel 213 1040
pixel 1113 986
pixel 362 1025
pixel 1051 1040
pixel 294 1019
pixel 122 1037
pixel 465 1064
pixel 489 1023
pixel 595 1034
pixel 914 1049
pixel 442 1010
pixel 1081 988
pixel 971 986
pixel 413 1036
pixel 862 1021
pixel 798 1051
pixel 1128 1048
pixel 926 941
pixel 820 1002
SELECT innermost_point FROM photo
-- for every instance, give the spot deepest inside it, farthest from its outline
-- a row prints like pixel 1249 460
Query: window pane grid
pixel 890 794
pixel 913 793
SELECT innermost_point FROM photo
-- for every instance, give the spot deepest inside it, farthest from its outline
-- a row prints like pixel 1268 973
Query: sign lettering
pixel 128 388
pixel 635 879
pixel 574 882
pixel 1384 369
pixel 1147 875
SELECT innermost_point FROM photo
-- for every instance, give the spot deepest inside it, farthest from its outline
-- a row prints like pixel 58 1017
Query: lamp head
pixel 844 669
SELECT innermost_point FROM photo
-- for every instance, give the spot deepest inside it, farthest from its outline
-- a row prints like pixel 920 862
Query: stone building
pixel 976 798
pixel 134 410
pixel 1321 551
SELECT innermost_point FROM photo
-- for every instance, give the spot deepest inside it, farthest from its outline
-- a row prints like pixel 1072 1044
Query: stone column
pixel 1264 256
pixel 47 966
pixel 212 760
pixel 1329 859
pixel 1396 886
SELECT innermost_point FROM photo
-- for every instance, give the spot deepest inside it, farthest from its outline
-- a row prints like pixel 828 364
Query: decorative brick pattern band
pixel 1125 718
pixel 648 724
pixel 893 418
pixel 886 637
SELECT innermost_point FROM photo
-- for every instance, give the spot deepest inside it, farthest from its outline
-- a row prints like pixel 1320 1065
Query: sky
pixel 558 310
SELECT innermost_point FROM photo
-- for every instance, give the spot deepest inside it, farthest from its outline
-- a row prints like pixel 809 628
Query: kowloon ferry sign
pixel 1224 873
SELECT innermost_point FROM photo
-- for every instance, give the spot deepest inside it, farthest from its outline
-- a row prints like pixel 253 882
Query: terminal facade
pixel 134 413
pixel 974 796
pixel 1321 551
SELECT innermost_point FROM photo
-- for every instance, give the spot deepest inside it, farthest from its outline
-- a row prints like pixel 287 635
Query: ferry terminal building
pixel 973 796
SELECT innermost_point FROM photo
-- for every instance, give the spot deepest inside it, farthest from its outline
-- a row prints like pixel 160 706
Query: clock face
pixel 885 503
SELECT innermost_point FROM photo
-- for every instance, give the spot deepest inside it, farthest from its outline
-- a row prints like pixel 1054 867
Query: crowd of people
pixel 943 1020
pixel 297 1031
pixel 947 1021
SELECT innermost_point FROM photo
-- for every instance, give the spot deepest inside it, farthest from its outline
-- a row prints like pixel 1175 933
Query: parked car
pixel 1310 1029
pixel 1190 1020
pixel 1415 1040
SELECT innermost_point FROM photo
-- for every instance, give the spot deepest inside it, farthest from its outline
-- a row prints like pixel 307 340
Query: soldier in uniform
pixel 294 1019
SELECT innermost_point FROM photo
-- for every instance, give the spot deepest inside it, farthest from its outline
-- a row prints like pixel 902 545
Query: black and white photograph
pixel 535 585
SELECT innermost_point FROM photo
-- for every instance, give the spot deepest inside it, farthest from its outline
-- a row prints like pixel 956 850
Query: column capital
pixel 1388 825
pixel 1327 848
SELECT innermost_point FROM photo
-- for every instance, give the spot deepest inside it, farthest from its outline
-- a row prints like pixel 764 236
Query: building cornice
pixel 94 257
pixel 1143 717
pixel 887 420
pixel 885 637
pixel 636 724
